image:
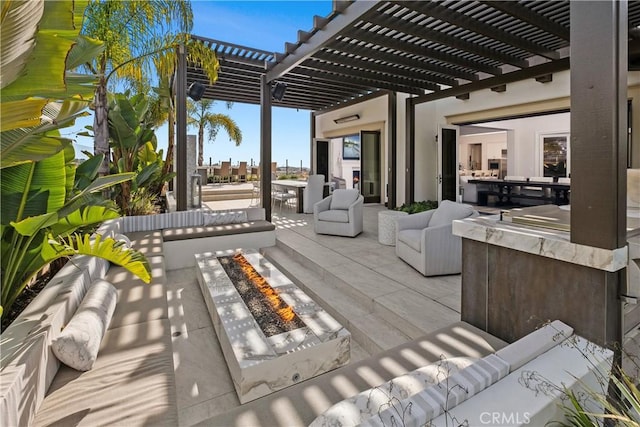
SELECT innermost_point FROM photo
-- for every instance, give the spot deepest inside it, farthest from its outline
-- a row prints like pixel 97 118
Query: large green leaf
pixel 87 171
pixel 34 224
pixel 43 73
pixel 33 189
pixel 21 114
pixel 124 123
pixel 69 169
pixel 32 144
pixel 106 248
pixel 101 183
pixel 19 25
pixel 84 51
pixel 147 172
pixel 83 217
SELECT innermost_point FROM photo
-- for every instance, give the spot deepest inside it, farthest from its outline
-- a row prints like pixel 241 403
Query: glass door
pixel 370 166
pixel 321 158
pixel 448 163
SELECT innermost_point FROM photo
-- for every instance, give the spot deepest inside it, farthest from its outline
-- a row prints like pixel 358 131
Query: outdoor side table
pixel 387 226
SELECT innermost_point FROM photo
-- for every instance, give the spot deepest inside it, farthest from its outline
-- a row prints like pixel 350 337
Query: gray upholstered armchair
pixel 339 214
pixel 425 241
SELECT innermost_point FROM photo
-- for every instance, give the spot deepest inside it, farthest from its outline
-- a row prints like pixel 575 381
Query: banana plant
pixel 42 211
pixel 46 202
pixel 134 146
pixel 41 47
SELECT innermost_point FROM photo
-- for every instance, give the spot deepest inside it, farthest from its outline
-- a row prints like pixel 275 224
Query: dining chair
pixel 217 175
pixel 255 172
pixel 241 174
pixel 516 188
pixel 225 172
pixel 255 193
pixel 281 195
pixel 546 192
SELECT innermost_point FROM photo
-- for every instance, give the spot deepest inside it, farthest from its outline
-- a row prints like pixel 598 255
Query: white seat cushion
pixel 411 237
pixel 342 199
pixel 334 216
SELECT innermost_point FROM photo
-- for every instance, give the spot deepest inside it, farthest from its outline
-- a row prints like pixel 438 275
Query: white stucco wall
pixel 522 134
pixel 373 116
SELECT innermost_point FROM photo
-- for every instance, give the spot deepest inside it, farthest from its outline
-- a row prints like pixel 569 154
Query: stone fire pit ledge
pixel 261 365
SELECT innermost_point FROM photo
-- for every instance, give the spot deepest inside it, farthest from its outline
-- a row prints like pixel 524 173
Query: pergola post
pixel 598 123
pixel 410 185
pixel 181 130
pixel 392 181
pixel 265 145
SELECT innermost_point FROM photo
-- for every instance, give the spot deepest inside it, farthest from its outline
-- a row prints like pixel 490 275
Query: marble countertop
pixel 549 243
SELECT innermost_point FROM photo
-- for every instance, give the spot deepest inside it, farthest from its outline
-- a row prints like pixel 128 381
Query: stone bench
pixel 135 358
pixel 133 380
pixel 456 374
pixel 300 404
pixel 520 384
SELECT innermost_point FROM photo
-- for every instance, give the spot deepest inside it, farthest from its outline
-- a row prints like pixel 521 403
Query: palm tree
pixel 135 35
pixel 201 116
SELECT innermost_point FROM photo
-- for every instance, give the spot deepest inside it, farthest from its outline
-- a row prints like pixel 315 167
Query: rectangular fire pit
pixel 260 365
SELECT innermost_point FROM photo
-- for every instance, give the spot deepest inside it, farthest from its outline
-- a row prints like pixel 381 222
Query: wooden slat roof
pixel 425 48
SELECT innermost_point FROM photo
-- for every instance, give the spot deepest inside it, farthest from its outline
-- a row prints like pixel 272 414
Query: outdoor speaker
pixel 195 91
pixel 277 91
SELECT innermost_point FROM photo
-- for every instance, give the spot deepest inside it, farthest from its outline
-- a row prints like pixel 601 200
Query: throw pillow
pixel 225 217
pixel 342 199
pixel 448 211
pixel 78 344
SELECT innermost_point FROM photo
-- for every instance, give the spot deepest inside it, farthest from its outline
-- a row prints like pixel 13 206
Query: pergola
pixel 433 50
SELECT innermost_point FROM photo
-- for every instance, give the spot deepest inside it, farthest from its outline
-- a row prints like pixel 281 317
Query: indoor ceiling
pixel 424 48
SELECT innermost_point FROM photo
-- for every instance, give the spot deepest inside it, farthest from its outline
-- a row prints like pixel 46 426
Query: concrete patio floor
pixel 381 300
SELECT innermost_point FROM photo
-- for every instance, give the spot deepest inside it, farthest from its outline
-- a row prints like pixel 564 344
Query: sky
pixel 265 25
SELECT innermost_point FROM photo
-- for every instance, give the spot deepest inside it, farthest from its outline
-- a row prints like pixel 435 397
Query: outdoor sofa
pixel 132 381
pixel 458 375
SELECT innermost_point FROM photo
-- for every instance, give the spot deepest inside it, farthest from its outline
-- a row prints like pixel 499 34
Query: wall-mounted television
pixel 351 147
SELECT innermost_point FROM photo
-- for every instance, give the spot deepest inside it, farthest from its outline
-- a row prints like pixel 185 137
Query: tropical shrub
pixel 144 202
pixel 43 207
pixel 135 149
pixel 45 201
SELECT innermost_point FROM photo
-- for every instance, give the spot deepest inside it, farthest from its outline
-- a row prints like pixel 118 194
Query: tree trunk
pixel 200 145
pixel 101 126
pixel 168 164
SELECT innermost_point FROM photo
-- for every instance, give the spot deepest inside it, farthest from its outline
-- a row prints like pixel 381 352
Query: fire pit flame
pixel 279 306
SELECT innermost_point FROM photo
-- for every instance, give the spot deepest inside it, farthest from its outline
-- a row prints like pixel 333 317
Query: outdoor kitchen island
pixel 520 271
pixel 260 362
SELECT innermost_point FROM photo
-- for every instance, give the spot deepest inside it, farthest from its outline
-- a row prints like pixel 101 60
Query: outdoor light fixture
pixel 347 119
pixel 278 90
pixel 195 91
